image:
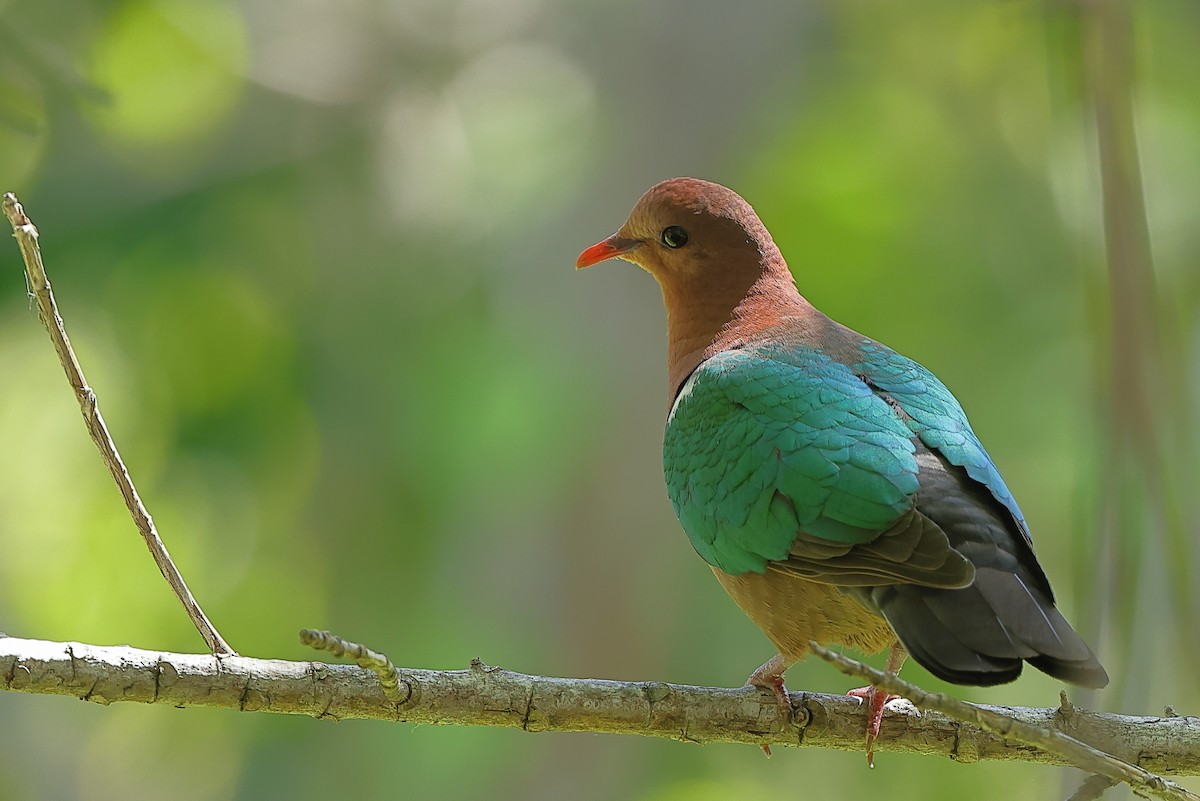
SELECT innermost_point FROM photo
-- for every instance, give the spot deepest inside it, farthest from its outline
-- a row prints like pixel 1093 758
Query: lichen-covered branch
pixel 491 696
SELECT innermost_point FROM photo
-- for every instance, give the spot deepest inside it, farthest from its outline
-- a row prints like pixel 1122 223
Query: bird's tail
pixel 982 634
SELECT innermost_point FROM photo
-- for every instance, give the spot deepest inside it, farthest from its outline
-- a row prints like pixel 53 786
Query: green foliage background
pixel 316 258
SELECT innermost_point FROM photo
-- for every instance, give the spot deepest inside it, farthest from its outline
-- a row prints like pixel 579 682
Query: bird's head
pixel 685 231
pixel 722 277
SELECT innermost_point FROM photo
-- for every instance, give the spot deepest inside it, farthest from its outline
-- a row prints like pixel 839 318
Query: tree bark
pixel 492 696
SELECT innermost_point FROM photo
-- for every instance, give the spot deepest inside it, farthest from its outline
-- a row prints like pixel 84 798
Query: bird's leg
pixel 769 676
pixel 877 700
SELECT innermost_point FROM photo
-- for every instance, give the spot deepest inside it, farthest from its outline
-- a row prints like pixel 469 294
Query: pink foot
pixel 876 701
pixel 770 677
pixel 782 699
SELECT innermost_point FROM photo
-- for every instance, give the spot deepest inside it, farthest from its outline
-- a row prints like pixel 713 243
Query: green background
pixel 317 260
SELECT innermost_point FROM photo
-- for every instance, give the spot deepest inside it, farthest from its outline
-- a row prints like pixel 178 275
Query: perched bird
pixel 834 486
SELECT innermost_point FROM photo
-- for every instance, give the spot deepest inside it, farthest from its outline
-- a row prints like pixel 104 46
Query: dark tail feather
pixel 981 634
pixel 935 645
pixel 1089 673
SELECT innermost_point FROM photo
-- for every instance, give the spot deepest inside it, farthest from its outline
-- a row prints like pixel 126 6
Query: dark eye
pixel 674 237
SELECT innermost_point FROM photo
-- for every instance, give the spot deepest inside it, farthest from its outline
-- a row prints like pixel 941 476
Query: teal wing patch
pixel 762 446
pixel 934 415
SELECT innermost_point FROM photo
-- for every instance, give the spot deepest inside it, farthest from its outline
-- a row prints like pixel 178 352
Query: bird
pixel 834 487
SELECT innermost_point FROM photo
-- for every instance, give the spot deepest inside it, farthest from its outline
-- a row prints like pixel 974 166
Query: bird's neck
pixel 702 321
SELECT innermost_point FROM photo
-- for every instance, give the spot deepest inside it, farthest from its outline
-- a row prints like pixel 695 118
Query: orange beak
pixel 610 248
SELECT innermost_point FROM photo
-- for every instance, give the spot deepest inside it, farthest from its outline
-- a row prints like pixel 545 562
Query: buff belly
pixel 791 611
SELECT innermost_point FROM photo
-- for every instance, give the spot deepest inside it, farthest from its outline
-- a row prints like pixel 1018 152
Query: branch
pixel 492 696
pixel 39 286
pixel 1079 754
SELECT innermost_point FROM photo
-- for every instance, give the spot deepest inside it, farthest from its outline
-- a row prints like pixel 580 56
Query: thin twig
pixel 39 286
pixel 1074 752
pixel 374 661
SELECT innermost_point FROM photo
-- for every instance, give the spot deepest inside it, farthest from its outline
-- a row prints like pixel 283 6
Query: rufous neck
pixel 701 323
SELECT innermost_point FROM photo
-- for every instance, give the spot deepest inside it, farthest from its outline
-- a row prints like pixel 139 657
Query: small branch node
pixel 479 666
pixel 16 214
pixel 655 691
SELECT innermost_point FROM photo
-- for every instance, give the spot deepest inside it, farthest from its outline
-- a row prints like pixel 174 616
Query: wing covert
pixel 759 449
pixel 934 415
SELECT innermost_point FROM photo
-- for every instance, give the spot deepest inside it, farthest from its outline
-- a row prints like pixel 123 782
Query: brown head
pixel 719 270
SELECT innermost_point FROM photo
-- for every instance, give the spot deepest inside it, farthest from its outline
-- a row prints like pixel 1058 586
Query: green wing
pixel 934 415
pixel 769 459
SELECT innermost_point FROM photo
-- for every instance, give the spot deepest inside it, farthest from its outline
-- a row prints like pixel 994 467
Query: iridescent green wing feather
pixel 762 448
pixel 934 415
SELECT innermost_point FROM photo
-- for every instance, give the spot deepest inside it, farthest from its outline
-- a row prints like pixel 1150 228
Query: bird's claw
pixel 876 701
pixel 782 700
pixel 773 682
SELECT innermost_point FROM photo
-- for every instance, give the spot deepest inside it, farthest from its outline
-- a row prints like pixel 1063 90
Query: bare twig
pixel 1072 751
pixel 39 286
pixel 490 696
pixel 374 661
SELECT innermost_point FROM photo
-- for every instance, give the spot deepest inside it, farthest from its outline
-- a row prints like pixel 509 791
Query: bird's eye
pixel 673 236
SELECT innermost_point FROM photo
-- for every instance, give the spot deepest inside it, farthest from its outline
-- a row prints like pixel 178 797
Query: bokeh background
pixel 317 259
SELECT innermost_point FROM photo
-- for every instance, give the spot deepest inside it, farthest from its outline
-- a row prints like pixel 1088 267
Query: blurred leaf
pixel 173 69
